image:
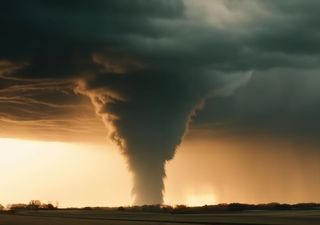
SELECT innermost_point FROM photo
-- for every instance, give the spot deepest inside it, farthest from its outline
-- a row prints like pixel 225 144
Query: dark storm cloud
pixel 45 46
pixel 148 64
pixel 276 101
pixel 58 38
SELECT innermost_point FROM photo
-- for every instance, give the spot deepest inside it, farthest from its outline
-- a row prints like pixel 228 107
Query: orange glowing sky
pixel 201 173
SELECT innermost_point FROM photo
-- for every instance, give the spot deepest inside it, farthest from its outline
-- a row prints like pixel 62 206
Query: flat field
pixel 105 217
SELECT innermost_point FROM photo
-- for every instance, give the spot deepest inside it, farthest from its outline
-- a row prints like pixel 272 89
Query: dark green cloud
pixel 276 102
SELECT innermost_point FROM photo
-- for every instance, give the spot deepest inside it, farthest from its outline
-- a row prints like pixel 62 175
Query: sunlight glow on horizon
pixel 72 174
pixel 75 175
pixel 201 199
pixel 79 175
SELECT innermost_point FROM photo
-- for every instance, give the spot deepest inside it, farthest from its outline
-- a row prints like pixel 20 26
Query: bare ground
pixel 99 217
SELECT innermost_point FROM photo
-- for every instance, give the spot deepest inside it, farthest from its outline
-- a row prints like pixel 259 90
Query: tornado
pixel 147 112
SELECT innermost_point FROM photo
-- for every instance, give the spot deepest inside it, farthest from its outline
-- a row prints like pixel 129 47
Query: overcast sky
pixel 258 61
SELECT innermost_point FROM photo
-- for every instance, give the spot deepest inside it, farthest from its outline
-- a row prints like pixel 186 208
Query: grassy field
pixel 97 217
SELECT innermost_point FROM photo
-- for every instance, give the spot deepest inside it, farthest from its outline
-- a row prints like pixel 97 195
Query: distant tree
pixel 181 207
pixel 238 207
pixel 1 207
pixel 34 204
pixel 17 206
pixel 48 206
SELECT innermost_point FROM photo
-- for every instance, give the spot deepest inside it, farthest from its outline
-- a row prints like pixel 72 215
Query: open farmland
pixel 97 217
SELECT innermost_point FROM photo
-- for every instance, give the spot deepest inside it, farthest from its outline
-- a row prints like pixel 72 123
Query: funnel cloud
pixel 147 113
